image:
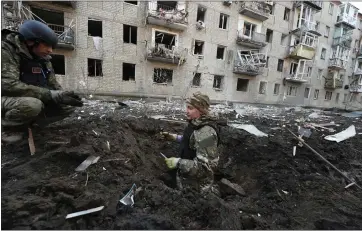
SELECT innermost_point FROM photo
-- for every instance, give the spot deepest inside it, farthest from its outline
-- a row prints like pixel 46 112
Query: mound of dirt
pixel 282 191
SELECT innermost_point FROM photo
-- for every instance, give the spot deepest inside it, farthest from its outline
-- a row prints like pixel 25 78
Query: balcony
pixel 251 39
pixel 65 36
pixel 249 63
pixel 166 54
pixel 256 10
pixel 333 83
pixel 306 26
pixel 167 16
pixel 343 41
pixel 302 51
pixel 314 4
pixel 355 84
pixel 297 77
pixel 347 20
pixel 337 63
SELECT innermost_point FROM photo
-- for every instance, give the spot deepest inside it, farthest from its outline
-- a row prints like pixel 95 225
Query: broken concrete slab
pixel 231 188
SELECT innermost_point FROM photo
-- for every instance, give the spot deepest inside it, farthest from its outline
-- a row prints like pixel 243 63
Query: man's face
pixel 42 50
pixel 192 112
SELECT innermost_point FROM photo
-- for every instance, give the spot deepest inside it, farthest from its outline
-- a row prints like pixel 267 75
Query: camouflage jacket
pixel 12 49
pixel 199 172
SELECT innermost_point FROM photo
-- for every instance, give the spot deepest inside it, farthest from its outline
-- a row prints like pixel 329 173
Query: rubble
pixel 39 191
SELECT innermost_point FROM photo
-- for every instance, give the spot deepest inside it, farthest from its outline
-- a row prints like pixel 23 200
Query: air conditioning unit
pixel 227 3
pixel 200 25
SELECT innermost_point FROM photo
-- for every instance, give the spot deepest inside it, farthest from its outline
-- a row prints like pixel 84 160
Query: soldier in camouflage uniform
pixel 199 147
pixel 29 90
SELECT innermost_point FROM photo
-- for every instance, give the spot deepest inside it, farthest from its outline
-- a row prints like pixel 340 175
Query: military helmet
pixel 38 31
pixel 200 101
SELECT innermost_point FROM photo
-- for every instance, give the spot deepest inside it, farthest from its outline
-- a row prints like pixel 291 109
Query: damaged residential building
pixel 289 53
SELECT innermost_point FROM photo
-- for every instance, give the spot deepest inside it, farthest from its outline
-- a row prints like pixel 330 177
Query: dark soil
pixel 282 191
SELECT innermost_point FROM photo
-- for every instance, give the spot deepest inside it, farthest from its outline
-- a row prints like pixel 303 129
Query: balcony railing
pixel 65 34
pixel 338 63
pixel 297 77
pixel 333 82
pixel 348 19
pixel 251 38
pixel 306 25
pixel 248 69
pixel 251 63
pixel 345 41
pixel 257 10
pixel 167 13
pixel 167 53
pixel 314 4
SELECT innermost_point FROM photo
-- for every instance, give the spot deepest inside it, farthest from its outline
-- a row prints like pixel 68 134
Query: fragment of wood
pixel 81 213
pixel 86 163
pixel 31 142
pixel 324 159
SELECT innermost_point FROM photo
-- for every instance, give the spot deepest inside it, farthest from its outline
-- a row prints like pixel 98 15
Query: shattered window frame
pixel 223 21
pixel 286 14
pixel 196 80
pixel 95 21
pixel 98 67
pixel 280 65
pixel 306 92
pixel 292 91
pixel 276 89
pixel 218 82
pixel 162 76
pixel 242 85
pixel 316 94
pixel 132 38
pixel 59 68
pixel 220 49
pixel 202 9
pixel 262 87
pixel 337 97
pixel 129 78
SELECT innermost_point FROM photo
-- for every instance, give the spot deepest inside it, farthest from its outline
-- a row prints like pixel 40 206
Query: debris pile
pixel 105 171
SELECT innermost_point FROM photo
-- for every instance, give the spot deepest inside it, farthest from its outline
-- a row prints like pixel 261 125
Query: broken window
pixel 292 91
pixel 217 81
pixel 166 5
pixel 330 9
pixel 131 2
pixel 165 40
pixel 58 63
pixel 262 87
pixel 95 67
pixel 94 28
pixel 162 75
pixel 326 33
pixel 276 89
pixel 323 53
pixel 267 62
pixel 129 34
pixel 293 68
pixel 306 92
pixel 200 14
pixel 198 47
pixel 223 20
pixel 128 72
pixel 196 81
pixel 320 72
pixel 284 40
pixel 249 28
pixel 337 98
pixel 316 93
pixel 328 95
pixel 280 65
pixel 220 52
pixel 286 14
pixel 51 17
pixel 269 36
pixel 242 85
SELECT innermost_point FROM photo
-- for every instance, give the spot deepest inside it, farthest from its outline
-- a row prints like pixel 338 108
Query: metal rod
pixel 324 159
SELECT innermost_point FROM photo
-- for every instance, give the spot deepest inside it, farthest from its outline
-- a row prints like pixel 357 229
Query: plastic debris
pixel 294 150
pixel 81 213
pixel 343 135
pixel 108 145
pixel 285 192
pixel 249 128
pixel 304 132
pixel 86 163
pixel 314 115
pixel 104 169
pixel 158 117
pixel 128 200
pixel 353 183
pixel 79 117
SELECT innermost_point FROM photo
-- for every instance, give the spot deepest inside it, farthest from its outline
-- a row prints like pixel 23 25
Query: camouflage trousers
pixel 22 111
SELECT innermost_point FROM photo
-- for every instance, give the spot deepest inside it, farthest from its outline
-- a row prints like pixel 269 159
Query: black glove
pixel 66 97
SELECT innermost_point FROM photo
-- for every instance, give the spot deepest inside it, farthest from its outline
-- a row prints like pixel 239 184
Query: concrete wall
pixel 113 51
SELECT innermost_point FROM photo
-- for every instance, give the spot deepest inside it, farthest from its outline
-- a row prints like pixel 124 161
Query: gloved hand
pixel 169 136
pixel 172 162
pixel 66 97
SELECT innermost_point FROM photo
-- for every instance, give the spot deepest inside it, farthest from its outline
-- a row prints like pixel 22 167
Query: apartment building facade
pixel 291 53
